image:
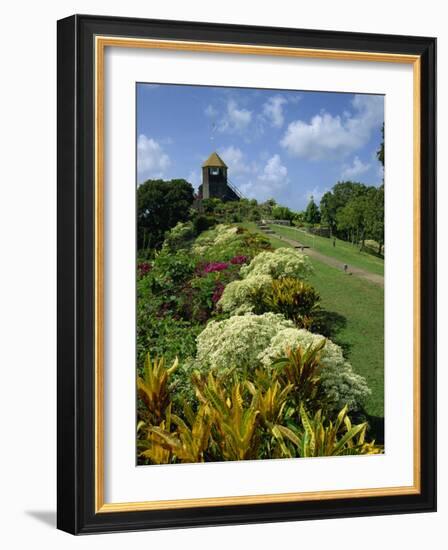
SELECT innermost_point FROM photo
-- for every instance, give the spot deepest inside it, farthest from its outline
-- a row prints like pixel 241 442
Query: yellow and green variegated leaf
pixel 347 437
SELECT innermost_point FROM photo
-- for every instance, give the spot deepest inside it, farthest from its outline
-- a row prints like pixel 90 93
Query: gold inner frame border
pixel 101 42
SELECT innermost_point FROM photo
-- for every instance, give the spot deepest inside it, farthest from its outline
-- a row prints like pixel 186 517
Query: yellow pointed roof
pixel 214 160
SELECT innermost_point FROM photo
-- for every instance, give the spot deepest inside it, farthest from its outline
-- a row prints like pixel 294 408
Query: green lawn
pixel 343 251
pixel 357 309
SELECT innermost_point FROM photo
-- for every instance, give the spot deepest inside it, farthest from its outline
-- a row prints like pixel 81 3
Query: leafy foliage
pixel 234 423
pixel 312 214
pixel 180 236
pixel 295 299
pixel 299 368
pixel 320 437
pixel 160 206
pixel 189 442
pixel 153 387
pixel 340 385
pixel 254 418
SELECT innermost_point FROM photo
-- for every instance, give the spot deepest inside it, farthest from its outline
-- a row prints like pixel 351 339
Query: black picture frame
pixel 76 255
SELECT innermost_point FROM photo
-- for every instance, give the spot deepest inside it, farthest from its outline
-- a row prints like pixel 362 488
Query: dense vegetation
pixel 234 356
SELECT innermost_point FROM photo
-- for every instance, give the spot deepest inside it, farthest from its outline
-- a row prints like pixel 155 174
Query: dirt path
pixel 362 273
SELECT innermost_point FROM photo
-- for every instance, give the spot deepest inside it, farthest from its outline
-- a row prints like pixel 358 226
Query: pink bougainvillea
pixel 237 260
pixel 217 293
pixel 215 266
pixel 144 268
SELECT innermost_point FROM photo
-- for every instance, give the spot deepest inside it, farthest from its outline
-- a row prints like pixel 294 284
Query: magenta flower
pixel 219 289
pixel 144 268
pixel 237 260
pixel 215 266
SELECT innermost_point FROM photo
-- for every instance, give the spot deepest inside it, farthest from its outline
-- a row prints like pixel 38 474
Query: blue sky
pixel 287 145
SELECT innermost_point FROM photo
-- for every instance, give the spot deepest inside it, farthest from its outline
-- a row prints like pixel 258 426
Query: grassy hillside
pixel 343 251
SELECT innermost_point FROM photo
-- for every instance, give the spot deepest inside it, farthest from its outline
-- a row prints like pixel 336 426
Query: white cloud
pixel 267 180
pixel 194 178
pixel 316 193
pixel 235 119
pixel 273 110
pixel 235 160
pixel 354 170
pixel 328 136
pixel 274 172
pixel 152 161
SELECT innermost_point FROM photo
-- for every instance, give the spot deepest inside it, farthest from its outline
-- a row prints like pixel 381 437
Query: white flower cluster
pixel 244 343
pixel 342 386
pixel 225 233
pixel 283 262
pixel 235 343
pixel 179 235
pixel 219 235
pixel 237 297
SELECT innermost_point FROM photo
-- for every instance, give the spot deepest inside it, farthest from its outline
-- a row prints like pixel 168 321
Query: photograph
pixel 260 252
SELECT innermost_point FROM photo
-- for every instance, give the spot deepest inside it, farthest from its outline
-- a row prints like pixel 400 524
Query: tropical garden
pixel 245 345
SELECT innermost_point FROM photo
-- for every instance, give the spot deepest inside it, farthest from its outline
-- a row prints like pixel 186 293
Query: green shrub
pixel 224 242
pixel 171 268
pixel 241 420
pixel 202 223
pixel 295 299
pixel 319 436
pixel 180 236
pixel 164 336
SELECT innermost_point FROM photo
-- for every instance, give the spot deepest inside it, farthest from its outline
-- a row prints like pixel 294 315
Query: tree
pixel 267 206
pixel 328 211
pixel 380 152
pixel 312 214
pixel 282 213
pixel 160 206
pixel 375 216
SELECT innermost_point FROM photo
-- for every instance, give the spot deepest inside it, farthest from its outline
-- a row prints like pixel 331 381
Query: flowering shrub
pixel 239 297
pixel 235 343
pixel 238 260
pixel 340 384
pixel 143 268
pixel 179 236
pixel 212 267
pixel 283 262
pixel 225 233
pixel 217 293
pixel 225 243
pixel 218 235
pixel 244 343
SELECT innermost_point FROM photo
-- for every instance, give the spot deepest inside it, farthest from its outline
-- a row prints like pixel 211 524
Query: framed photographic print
pixel 246 274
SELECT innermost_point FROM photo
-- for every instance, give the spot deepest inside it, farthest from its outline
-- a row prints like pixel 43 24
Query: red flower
pixel 144 268
pixel 215 266
pixel 237 260
pixel 217 293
